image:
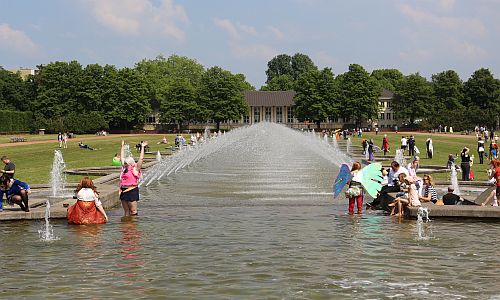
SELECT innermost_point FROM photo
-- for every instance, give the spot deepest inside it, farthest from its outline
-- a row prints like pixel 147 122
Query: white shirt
pixel 403 142
pixel 393 175
pixel 87 194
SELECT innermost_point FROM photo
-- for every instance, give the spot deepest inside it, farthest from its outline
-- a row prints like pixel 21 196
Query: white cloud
pixel 255 51
pixel 277 33
pixel 227 26
pixel 466 50
pixel 134 17
pixel 234 30
pixel 469 26
pixel 416 54
pixel 16 40
pixel 447 4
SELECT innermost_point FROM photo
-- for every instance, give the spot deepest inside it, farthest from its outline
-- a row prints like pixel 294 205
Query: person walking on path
pixel 371 150
pixel 60 139
pixel 129 179
pixel 385 144
pixel 10 169
pixel 430 148
pixel 465 165
pixel 480 150
pixel 411 145
pixel 404 143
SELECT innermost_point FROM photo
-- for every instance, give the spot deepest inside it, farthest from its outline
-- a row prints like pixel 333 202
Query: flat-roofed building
pixel 279 107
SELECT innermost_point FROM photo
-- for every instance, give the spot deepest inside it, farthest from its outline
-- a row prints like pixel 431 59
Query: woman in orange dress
pixel 87 209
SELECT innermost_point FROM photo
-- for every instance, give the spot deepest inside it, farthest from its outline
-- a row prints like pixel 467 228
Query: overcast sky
pixel 426 36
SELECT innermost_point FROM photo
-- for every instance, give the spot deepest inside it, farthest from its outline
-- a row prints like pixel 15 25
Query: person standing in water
pixel 129 179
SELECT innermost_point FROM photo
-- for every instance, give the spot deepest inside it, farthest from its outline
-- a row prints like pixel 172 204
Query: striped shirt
pixel 432 191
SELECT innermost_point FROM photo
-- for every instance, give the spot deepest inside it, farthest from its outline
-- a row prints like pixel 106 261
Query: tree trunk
pixel 218 126
pixel 318 126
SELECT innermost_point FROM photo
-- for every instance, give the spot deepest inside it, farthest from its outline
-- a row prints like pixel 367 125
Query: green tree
pixel 90 91
pixel 181 103
pixel 222 96
pixel 316 97
pixel 359 94
pixel 13 91
pixel 58 87
pixel 161 72
pixel 447 108
pixel 387 78
pixel 292 66
pixel 413 98
pixel 482 98
pixel 279 83
pixel 130 105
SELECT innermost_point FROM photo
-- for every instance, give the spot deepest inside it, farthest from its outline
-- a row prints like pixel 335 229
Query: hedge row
pixel 15 121
pixel 77 123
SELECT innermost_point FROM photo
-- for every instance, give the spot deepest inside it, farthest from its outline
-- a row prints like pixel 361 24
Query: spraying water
pixel 46 234
pixel 454 179
pixel 335 144
pixel 348 146
pixel 422 217
pixel 244 136
pixel 158 156
pixel 57 176
pixel 126 151
pixel 400 158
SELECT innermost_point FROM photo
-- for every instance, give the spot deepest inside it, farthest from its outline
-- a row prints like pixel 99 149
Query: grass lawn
pixel 444 144
pixel 34 162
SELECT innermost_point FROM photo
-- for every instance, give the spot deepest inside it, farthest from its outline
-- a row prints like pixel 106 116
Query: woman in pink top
pixel 129 178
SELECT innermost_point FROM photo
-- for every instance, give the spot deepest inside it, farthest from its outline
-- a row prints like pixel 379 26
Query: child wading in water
pixel 355 190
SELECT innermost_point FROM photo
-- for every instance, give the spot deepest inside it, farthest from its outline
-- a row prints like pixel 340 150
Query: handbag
pixel 353 192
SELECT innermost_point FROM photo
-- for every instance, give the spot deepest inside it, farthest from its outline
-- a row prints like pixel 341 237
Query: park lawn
pixel 444 144
pixel 34 162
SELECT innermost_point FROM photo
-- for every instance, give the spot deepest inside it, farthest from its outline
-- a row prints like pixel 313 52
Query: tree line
pixel 444 100
pixel 65 96
pixel 68 96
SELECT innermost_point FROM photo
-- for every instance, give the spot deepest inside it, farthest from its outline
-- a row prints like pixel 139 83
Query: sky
pixel 425 36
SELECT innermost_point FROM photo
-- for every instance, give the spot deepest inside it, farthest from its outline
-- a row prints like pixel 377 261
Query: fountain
pixel 57 188
pixel 348 146
pixel 126 151
pixel 454 179
pixel 335 144
pixel 158 156
pixel 182 159
pixel 325 138
pixel 57 176
pixel 422 217
pixel 400 158
pixel 46 234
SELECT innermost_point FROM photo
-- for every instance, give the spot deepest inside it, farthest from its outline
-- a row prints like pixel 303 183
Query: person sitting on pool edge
pixel 15 191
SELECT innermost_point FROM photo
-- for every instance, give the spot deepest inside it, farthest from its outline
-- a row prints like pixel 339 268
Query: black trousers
pixel 383 199
pixel 481 155
pixel 465 171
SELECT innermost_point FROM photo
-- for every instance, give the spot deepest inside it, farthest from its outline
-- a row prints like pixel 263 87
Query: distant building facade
pixel 24 72
pixel 279 107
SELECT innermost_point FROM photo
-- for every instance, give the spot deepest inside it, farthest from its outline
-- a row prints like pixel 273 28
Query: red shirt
pixel 497 175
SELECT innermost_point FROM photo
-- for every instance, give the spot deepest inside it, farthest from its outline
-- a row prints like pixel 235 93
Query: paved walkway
pixel 55 142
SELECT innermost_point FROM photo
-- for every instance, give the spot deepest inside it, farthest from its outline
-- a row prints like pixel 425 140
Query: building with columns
pixel 279 107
